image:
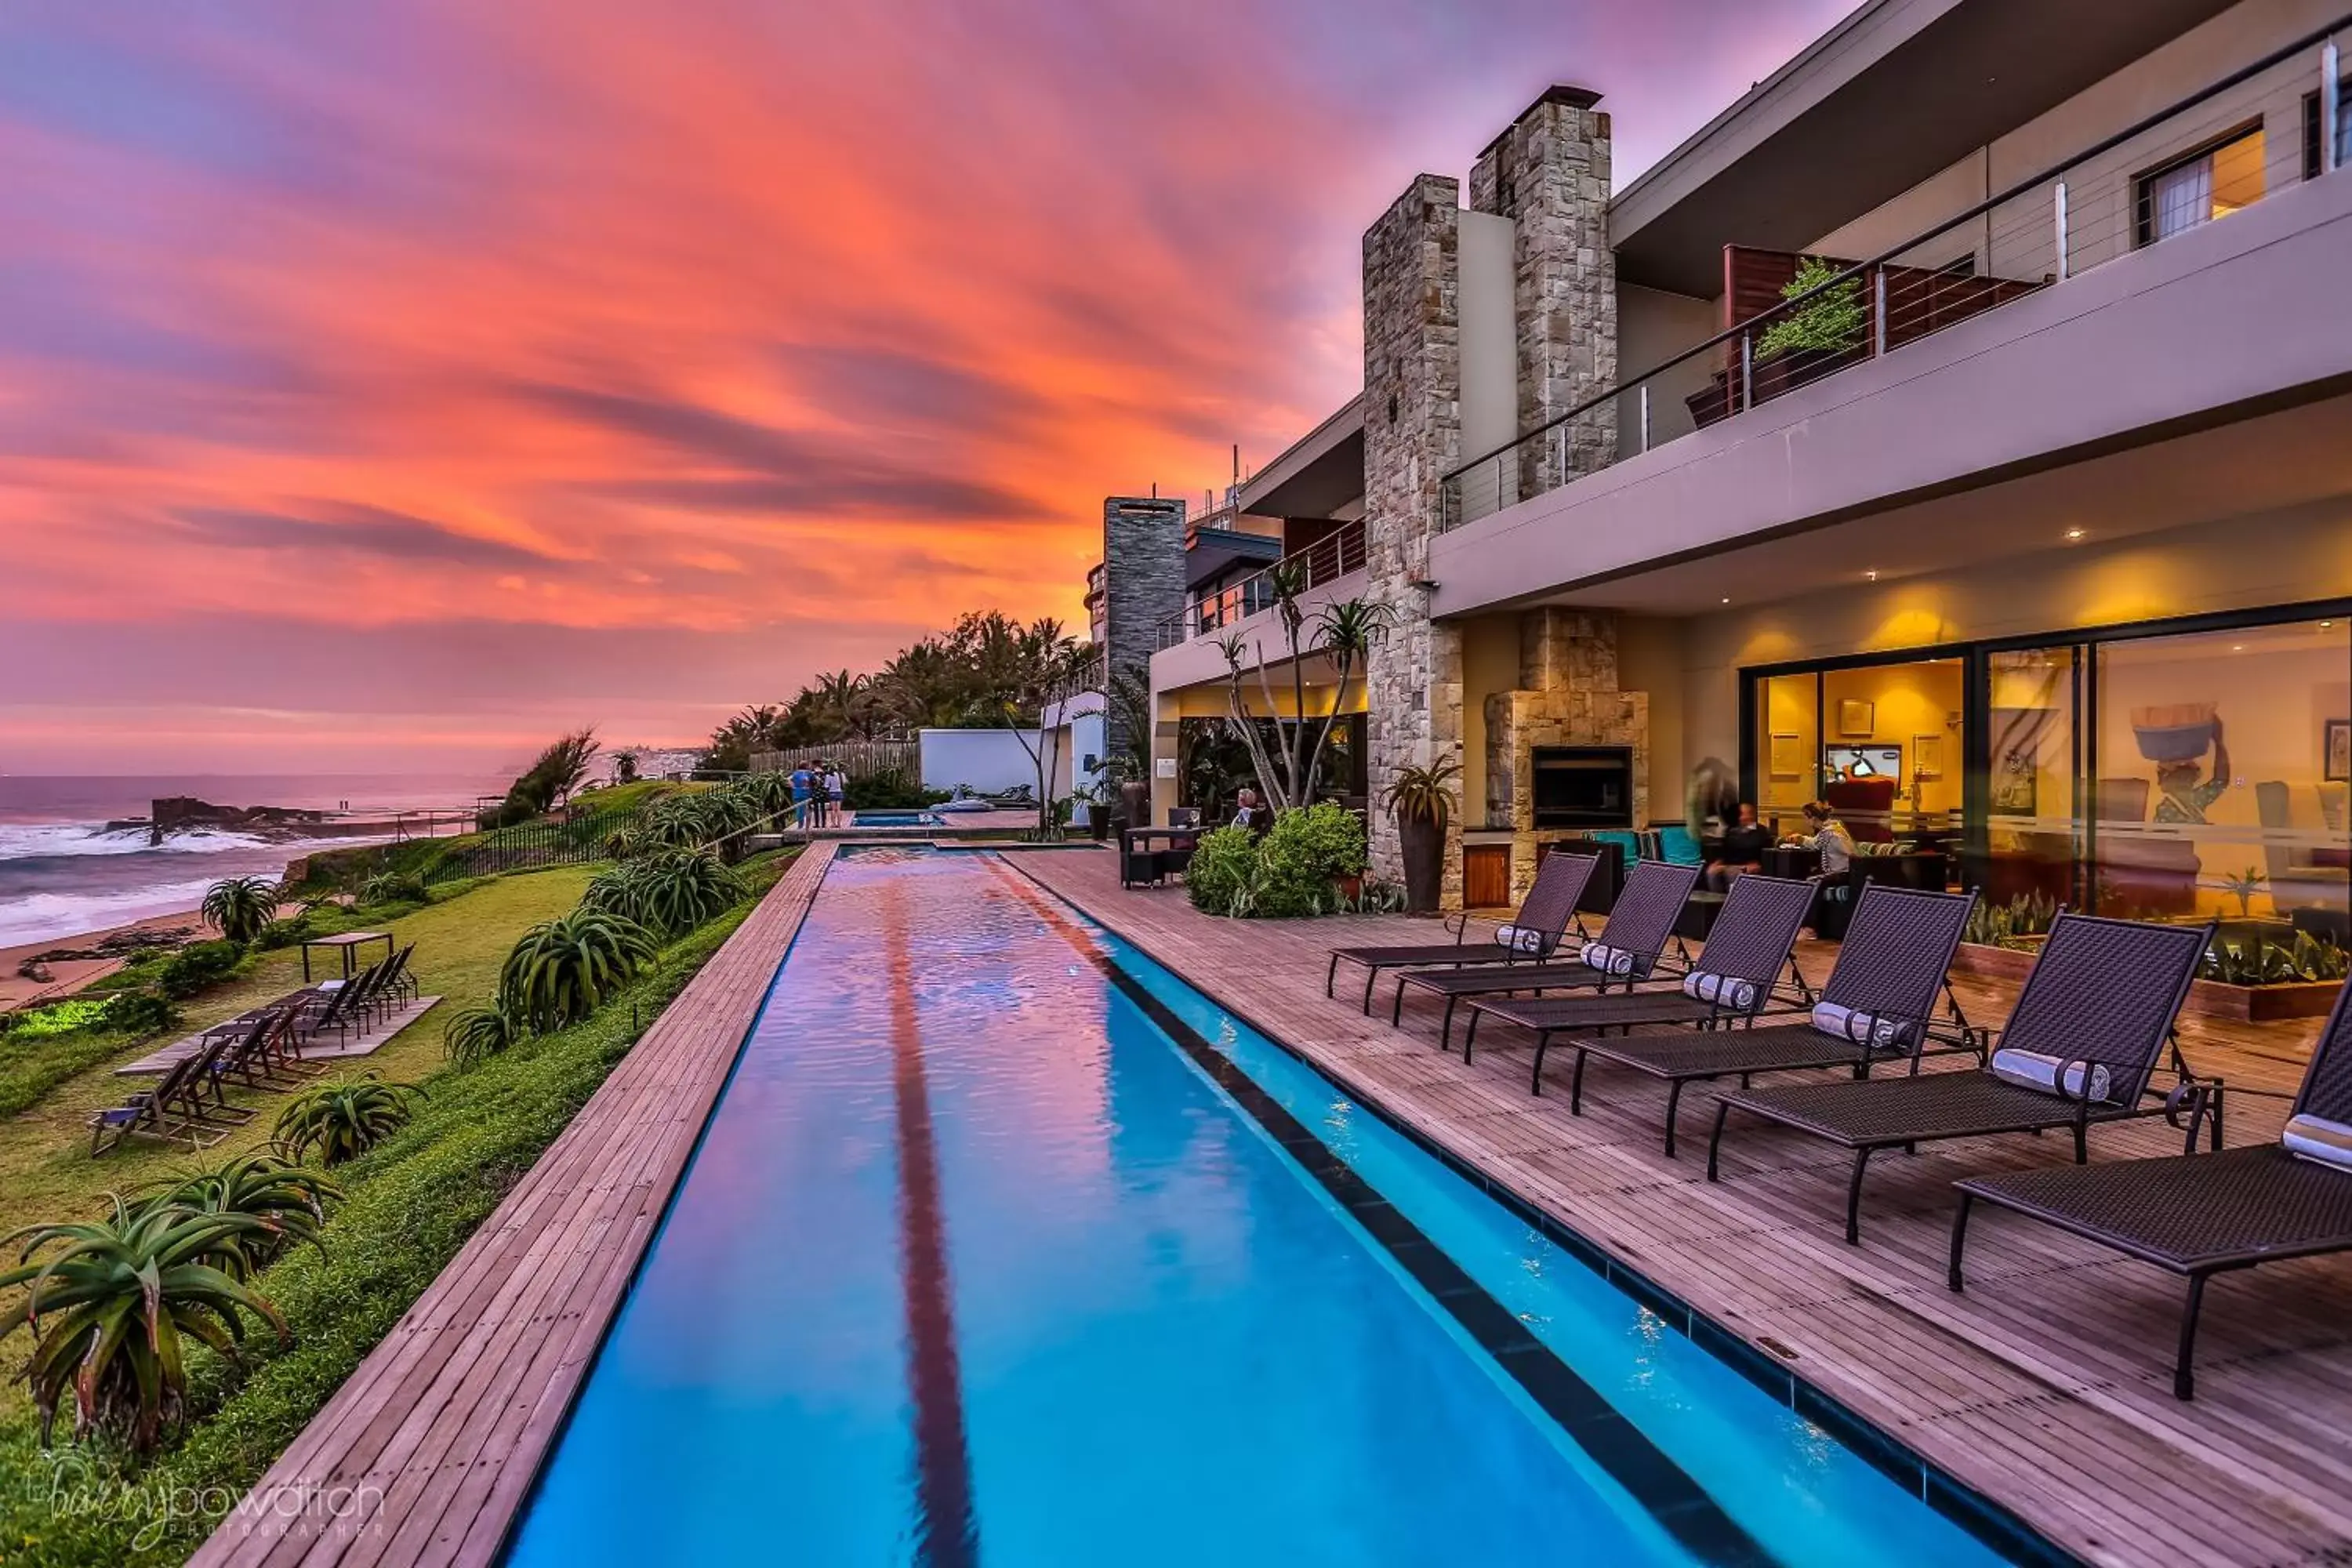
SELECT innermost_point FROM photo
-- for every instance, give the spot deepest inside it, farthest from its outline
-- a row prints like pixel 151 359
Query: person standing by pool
pixel 800 796
pixel 836 791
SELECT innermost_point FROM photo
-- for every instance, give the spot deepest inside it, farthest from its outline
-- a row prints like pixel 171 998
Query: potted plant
pixel 1418 798
pixel 1818 336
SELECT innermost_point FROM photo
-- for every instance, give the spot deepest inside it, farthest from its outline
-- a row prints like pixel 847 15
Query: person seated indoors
pixel 1826 834
pixel 1744 842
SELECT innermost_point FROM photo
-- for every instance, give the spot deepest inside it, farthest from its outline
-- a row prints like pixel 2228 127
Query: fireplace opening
pixel 1584 786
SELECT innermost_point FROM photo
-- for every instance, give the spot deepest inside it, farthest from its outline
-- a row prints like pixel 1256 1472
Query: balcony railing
pixel 1326 560
pixel 2201 158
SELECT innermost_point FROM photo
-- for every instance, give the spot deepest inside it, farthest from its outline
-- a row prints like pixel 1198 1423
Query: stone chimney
pixel 1143 583
pixel 1548 173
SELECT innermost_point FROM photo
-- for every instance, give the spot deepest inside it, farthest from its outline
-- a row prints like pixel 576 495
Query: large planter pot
pixel 1098 823
pixel 1134 803
pixel 1424 845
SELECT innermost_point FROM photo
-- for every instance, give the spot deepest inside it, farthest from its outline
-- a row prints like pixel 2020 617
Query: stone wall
pixel 1548 173
pixel 1143 583
pixel 1568 696
pixel 1412 429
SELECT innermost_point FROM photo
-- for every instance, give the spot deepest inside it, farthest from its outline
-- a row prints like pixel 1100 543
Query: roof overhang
pixel 1215 551
pixel 1320 473
pixel 1896 92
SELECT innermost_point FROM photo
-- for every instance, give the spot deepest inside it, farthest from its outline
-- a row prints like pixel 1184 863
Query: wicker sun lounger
pixel 1640 925
pixel 1733 978
pixel 173 1110
pixel 1877 1005
pixel 2094 1016
pixel 2202 1214
pixel 1532 936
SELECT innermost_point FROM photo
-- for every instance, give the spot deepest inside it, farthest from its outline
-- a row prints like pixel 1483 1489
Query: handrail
pixel 1739 329
pixel 1342 549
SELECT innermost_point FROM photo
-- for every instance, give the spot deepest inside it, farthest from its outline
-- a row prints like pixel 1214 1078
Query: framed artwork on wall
pixel 1856 718
pixel 2337 748
pixel 2017 742
pixel 1790 755
pixel 1927 756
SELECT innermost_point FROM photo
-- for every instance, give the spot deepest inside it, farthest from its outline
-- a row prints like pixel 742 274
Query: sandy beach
pixel 69 975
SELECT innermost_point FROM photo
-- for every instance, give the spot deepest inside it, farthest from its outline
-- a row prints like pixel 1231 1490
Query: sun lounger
pixel 2080 1047
pixel 173 1110
pixel 1626 953
pixel 1878 1005
pixel 2202 1214
pixel 1733 978
pixel 1535 934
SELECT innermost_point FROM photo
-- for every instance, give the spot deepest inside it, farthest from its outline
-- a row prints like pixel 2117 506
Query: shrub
pixel 238 907
pixel 109 1308
pixel 282 933
pixel 140 1012
pixel 346 1117
pixel 197 965
pixel 394 888
pixel 1303 854
pixel 1223 867
pixel 889 790
pixel 58 1019
pixel 563 970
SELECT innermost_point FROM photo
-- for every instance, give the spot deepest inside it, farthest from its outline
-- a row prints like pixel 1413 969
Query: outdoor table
pixel 1139 862
pixel 348 942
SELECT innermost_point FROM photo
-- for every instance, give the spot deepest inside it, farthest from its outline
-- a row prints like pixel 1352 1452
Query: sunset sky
pixel 388 387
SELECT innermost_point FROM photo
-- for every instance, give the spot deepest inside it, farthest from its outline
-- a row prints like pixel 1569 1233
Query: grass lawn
pixel 46 1169
pixel 412 1202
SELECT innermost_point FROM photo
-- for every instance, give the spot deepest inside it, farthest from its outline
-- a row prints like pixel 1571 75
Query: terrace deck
pixel 2046 1387
pixel 424 1455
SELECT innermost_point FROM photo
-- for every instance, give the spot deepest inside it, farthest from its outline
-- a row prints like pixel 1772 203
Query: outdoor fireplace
pixel 1584 786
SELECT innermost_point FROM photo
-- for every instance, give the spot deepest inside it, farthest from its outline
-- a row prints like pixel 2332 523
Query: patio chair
pixel 259 1061
pixel 2202 1214
pixel 1878 1005
pixel 1732 979
pixel 173 1110
pixel 1532 935
pixel 1626 954
pixel 2081 1046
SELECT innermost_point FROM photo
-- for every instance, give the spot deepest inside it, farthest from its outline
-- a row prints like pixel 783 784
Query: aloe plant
pixel 238 907
pixel 563 970
pixel 345 1118
pixel 479 1032
pixel 289 1201
pixel 667 893
pixel 1420 794
pixel 110 1308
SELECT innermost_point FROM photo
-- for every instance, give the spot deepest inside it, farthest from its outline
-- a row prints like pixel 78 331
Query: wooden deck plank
pixel 453 1413
pixel 2046 1386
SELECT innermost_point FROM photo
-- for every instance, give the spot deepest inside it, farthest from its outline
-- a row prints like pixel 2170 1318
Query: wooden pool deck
pixel 2046 1387
pixel 425 1453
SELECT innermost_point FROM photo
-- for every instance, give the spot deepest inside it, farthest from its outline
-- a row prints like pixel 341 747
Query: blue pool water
pixel 979 1262
pixel 895 819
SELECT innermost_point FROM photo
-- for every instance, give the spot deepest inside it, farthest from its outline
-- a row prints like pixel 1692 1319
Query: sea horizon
pixel 63 875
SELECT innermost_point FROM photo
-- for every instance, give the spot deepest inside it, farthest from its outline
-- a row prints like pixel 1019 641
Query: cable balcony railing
pixel 1326 560
pixel 1799 317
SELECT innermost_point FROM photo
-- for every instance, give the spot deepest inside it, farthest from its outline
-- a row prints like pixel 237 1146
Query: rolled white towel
pixel 1611 961
pixel 1720 990
pixel 1522 938
pixel 2316 1138
pixel 1863 1028
pixel 2038 1070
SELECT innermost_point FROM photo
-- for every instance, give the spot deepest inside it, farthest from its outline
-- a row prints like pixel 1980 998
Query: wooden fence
pixel 857 759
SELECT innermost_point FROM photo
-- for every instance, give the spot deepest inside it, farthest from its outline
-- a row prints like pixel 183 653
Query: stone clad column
pixel 1548 173
pixel 1143 583
pixel 1412 430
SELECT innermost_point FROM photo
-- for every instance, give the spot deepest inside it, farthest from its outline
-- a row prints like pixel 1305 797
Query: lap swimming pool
pixel 1003 1245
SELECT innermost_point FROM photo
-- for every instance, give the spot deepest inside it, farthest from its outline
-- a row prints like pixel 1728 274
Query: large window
pixel 1881 742
pixel 2210 182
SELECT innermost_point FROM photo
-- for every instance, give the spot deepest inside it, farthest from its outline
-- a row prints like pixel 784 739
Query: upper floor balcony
pixel 1334 556
pixel 2129 198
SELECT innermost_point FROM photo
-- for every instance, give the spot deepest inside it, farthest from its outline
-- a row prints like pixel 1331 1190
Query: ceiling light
pixel 1872 575
pixel 2325 624
pixel 2237 648
pixel 1727 601
pixel 2073 533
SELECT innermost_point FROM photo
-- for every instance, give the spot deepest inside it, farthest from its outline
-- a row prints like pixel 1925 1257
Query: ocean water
pixel 61 874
